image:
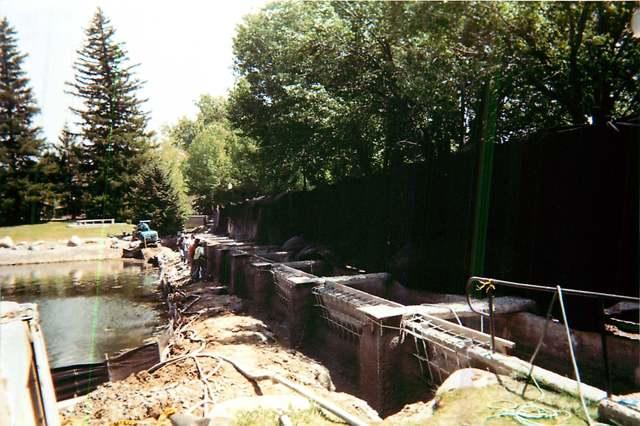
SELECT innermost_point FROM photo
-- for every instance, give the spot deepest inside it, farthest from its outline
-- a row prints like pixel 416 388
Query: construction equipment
pixel 145 234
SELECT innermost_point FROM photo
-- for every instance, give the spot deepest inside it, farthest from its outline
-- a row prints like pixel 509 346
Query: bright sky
pixel 184 49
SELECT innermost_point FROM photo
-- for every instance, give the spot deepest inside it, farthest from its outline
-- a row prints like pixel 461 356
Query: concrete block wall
pixel 385 365
pixel 376 355
pixel 294 288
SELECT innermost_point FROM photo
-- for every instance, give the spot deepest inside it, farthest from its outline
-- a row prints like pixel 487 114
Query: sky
pixel 184 49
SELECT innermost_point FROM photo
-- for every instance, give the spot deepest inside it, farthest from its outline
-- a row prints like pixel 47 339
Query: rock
pixel 314 252
pixel 181 419
pixel 238 307
pixel 467 378
pixel 74 241
pixel 323 377
pixel 294 244
pixel 7 242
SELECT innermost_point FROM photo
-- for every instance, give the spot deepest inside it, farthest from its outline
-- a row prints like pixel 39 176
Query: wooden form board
pixel 502 345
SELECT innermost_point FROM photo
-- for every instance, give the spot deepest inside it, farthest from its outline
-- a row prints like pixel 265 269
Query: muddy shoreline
pixel 58 251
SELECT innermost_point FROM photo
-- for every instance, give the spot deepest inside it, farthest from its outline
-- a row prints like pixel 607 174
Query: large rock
pixel 316 252
pixel 294 244
pixel 7 242
pixel 74 241
pixel 467 378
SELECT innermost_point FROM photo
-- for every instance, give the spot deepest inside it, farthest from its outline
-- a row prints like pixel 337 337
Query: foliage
pixel 267 417
pixel 68 174
pixel 219 164
pixel 579 56
pixel 156 198
pixel 112 123
pixel 330 90
pixel 20 145
pixel 171 159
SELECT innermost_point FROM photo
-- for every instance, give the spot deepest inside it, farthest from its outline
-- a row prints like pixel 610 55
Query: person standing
pixel 186 244
pixel 198 262
pixel 192 251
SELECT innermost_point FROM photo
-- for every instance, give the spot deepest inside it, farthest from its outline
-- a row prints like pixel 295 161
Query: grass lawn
pixel 496 405
pixel 60 231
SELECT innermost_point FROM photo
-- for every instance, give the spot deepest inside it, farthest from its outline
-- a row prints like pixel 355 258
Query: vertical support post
pixel 209 252
pixel 379 356
pixel 225 263
pixel 238 260
pixel 259 281
pixel 217 262
pixel 492 322
pixel 605 352
pixel 300 309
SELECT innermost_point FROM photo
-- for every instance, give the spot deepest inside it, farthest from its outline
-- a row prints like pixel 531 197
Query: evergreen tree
pixel 157 199
pixel 69 176
pixel 20 145
pixel 112 122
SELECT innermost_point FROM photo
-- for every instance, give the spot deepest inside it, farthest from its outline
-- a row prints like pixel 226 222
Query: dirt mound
pixel 196 385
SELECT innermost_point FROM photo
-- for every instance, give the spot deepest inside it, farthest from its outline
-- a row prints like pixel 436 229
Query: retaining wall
pixel 352 317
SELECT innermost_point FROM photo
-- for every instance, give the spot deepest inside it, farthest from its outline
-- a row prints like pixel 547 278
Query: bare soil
pixel 219 326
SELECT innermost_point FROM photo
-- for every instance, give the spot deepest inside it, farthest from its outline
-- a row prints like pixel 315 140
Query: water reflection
pixel 87 308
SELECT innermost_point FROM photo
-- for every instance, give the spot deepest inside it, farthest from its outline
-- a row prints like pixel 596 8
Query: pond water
pixel 87 309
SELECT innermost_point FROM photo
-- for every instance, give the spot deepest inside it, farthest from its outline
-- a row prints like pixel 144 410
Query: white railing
pixel 91 222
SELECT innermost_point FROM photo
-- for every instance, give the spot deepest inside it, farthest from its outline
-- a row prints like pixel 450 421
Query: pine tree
pixel 157 199
pixel 70 180
pixel 20 145
pixel 112 122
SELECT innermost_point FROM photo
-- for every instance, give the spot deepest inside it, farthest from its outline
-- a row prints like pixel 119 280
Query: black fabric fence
pixel 563 209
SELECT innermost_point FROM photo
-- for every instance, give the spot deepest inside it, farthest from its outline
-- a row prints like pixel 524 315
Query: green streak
pixel 486 142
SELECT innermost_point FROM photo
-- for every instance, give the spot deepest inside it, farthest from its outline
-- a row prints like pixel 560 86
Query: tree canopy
pixel 219 161
pixel 336 89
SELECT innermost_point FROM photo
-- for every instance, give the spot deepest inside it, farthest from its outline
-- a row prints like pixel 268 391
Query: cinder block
pixel 379 360
pixel 238 260
pixel 300 309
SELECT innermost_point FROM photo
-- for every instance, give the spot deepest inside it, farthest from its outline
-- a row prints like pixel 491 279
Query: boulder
pixel 315 252
pixel 7 242
pixel 467 378
pixel 294 244
pixel 74 241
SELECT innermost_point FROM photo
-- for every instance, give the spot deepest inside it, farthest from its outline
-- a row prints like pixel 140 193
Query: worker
pixel 192 251
pixel 197 270
pixel 186 245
